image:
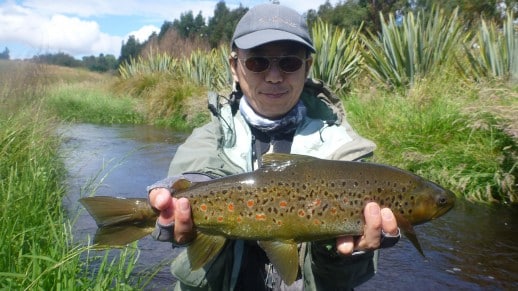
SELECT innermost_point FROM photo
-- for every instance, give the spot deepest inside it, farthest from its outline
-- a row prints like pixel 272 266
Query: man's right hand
pixel 173 211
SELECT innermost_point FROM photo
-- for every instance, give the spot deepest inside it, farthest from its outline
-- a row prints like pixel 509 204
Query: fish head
pixel 430 202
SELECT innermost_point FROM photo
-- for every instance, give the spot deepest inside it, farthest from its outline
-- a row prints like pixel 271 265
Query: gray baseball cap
pixel 266 23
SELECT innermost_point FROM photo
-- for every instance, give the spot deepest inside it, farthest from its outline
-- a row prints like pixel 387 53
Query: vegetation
pixel 37 250
pixel 438 100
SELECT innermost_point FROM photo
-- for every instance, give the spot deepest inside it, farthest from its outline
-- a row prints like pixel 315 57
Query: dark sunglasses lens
pixel 290 64
pixel 257 64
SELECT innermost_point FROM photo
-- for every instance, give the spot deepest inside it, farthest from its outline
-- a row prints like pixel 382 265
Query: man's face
pixel 273 92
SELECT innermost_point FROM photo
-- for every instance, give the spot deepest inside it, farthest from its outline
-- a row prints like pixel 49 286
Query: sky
pixel 91 27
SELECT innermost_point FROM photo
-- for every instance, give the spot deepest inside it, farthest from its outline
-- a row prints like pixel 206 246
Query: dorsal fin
pixel 278 161
pixel 181 184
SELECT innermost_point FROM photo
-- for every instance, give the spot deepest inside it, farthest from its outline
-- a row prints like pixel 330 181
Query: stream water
pixel 473 247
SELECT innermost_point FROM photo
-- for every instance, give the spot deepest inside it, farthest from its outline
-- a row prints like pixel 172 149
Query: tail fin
pixel 120 220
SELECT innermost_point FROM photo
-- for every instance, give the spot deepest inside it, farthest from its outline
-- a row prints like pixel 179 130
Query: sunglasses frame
pixel 271 59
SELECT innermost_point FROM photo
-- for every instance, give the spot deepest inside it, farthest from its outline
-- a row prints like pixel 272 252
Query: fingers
pixel 376 220
pixel 389 222
pixel 345 245
pixel 172 210
pixel 183 230
pixel 160 198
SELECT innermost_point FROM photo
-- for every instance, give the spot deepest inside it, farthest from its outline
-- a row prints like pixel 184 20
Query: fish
pixel 290 199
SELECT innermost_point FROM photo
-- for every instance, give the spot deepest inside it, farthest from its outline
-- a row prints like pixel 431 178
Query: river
pixel 473 247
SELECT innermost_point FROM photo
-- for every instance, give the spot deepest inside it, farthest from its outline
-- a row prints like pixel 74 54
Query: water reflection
pixel 473 247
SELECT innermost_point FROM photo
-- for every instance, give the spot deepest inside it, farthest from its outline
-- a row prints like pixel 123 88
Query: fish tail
pixel 120 220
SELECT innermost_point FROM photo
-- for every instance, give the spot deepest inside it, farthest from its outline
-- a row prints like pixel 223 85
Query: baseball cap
pixel 266 23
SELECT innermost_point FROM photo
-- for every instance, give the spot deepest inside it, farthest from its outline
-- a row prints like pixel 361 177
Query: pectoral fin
pixel 284 257
pixel 203 249
pixel 409 232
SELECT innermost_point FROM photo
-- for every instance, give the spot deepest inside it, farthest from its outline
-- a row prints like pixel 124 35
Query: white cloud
pixel 143 33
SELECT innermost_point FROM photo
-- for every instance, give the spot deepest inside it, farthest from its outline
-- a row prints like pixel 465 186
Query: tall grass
pixel 428 130
pixel 37 250
pixel 87 102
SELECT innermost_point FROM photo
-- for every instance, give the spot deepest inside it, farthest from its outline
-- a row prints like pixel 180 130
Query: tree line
pixel 189 32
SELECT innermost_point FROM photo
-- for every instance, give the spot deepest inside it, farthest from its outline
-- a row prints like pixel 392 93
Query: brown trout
pixel 290 199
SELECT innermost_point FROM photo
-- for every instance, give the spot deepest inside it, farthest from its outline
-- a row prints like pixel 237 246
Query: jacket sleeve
pixel 201 153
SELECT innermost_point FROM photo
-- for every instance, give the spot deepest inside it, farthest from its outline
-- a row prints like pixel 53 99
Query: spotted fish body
pixel 309 199
pixel 290 199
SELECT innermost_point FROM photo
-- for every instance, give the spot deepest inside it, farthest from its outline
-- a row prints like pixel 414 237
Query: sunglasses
pixel 287 64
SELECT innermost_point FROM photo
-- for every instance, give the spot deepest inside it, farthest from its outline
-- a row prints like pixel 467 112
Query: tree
pixel 5 54
pixel 221 25
pixel 103 63
pixel 130 50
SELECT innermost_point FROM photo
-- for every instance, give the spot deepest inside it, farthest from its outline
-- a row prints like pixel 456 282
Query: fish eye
pixel 442 200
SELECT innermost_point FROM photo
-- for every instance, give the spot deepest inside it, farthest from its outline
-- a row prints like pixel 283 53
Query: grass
pixel 87 102
pixel 37 249
pixel 433 131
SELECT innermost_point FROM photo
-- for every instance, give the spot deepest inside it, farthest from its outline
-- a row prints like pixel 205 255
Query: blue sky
pixel 90 27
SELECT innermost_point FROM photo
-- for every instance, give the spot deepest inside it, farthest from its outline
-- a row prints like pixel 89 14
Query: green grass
pixel 429 131
pixel 37 248
pixel 86 102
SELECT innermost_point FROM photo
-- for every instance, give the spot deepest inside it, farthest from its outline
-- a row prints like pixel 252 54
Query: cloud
pixel 53 33
pixel 143 33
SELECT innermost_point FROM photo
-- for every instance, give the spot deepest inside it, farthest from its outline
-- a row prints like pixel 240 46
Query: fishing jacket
pixel 227 146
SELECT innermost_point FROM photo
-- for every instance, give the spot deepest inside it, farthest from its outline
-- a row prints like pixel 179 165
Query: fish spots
pixel 220 218
pixel 317 222
pixel 250 203
pixel 230 207
pixel 239 219
pixel 203 207
pixel 283 204
pixel 333 211
pixel 301 213
pixel 260 217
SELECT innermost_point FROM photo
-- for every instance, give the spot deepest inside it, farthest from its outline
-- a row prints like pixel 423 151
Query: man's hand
pixel 376 220
pixel 173 211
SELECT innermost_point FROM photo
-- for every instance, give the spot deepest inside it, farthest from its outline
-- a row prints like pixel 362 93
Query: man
pixel 273 108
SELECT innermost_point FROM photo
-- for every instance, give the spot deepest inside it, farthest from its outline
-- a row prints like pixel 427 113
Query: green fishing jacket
pixel 224 147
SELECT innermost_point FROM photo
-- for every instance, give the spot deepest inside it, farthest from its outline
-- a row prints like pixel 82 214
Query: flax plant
pixel 493 52
pixel 207 69
pixel 154 62
pixel 338 59
pixel 401 54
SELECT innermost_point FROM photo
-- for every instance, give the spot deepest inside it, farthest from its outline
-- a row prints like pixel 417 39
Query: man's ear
pixel 232 60
pixel 309 63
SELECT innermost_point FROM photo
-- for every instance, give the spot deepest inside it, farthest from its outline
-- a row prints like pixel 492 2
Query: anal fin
pixel 203 249
pixel 285 258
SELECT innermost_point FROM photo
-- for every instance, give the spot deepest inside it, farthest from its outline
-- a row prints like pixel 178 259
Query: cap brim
pixel 258 38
